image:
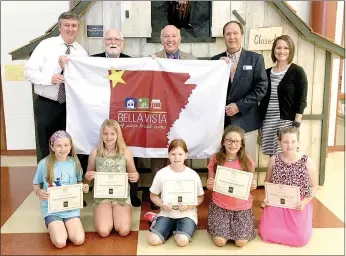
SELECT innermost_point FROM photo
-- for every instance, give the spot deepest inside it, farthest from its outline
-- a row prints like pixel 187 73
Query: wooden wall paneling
pixel 262 159
pixel 200 49
pixel 315 152
pixel 132 46
pixel 138 24
pixel 217 47
pixel 267 59
pixel 82 34
pixel 95 17
pixel 305 137
pixel 287 29
pixel 111 14
pixel 254 18
pixel 271 19
pixel 271 16
pixel 221 14
pixel 306 56
pixel 238 6
pixel 317 86
pixel 148 49
pixel 260 178
pixel 185 47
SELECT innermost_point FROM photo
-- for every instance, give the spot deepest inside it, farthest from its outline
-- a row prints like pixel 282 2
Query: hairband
pixel 58 135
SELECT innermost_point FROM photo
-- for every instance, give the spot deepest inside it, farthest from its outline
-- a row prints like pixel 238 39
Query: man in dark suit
pixel 114 43
pixel 247 85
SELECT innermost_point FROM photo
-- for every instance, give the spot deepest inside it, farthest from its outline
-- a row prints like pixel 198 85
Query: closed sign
pixel 263 38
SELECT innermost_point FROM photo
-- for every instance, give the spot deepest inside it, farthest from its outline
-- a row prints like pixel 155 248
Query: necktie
pixel 234 63
pixel 61 92
pixel 171 56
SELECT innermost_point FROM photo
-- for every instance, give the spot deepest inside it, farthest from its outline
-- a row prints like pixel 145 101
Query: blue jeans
pixel 164 227
pixel 50 218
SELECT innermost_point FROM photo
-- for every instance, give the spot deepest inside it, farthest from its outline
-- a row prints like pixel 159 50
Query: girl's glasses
pixel 230 142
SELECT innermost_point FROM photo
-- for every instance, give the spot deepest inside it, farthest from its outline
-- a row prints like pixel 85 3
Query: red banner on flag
pixel 147 103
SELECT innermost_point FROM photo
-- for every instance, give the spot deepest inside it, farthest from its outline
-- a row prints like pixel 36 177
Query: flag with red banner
pixel 154 100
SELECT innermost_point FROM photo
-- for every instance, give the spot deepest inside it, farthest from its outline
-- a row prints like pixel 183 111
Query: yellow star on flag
pixel 116 77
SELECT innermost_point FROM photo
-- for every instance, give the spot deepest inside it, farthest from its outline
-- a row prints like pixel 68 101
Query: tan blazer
pixel 182 55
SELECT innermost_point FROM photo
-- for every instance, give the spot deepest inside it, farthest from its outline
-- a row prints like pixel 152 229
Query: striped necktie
pixel 61 92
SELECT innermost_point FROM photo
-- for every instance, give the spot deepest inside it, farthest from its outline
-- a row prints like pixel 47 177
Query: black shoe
pixel 154 206
pixel 84 203
pixel 135 201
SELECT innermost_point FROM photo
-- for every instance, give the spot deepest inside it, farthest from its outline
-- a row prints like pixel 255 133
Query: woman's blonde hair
pixel 120 145
pixel 244 160
pixel 51 158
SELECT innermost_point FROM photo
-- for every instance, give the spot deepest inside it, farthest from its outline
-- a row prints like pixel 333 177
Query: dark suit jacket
pixel 103 54
pixel 292 93
pixel 249 86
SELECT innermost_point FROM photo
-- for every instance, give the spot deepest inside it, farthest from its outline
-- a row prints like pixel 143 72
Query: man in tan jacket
pixel 170 40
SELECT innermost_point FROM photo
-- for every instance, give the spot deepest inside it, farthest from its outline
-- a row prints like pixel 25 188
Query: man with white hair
pixel 114 43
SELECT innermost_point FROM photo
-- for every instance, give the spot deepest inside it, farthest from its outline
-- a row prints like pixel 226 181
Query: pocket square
pixel 247 67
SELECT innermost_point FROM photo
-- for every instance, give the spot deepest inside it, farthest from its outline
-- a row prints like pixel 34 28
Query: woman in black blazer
pixel 285 101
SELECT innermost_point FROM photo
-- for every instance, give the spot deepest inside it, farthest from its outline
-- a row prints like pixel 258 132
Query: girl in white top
pixel 180 220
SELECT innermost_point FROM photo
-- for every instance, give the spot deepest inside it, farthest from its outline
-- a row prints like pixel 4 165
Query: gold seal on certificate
pixel 284 196
pixel 64 198
pixel 179 191
pixel 111 185
pixel 232 182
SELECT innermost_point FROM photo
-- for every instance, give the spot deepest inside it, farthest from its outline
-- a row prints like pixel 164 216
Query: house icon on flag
pixel 130 103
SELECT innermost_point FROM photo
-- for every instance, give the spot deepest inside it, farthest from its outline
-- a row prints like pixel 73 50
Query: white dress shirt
pixel 44 63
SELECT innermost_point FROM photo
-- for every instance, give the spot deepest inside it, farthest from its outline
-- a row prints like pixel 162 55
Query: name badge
pixel 245 67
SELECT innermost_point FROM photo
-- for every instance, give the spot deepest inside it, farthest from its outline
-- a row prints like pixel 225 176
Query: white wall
pixel 303 9
pixel 22 21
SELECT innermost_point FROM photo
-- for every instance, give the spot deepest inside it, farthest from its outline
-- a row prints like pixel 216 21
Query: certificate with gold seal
pixel 179 191
pixel 111 185
pixel 232 182
pixel 284 196
pixel 64 198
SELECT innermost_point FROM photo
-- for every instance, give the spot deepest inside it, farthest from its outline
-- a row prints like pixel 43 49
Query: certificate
pixel 63 198
pixel 179 191
pixel 111 185
pixel 232 182
pixel 284 196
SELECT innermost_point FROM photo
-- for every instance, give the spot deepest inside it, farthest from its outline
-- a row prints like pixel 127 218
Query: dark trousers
pixel 50 116
pixel 83 159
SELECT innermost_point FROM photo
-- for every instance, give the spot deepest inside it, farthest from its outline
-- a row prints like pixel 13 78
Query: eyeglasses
pixel 230 142
pixel 113 39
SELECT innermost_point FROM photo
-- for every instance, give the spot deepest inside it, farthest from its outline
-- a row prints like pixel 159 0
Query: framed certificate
pixel 179 191
pixel 232 182
pixel 284 196
pixel 64 198
pixel 111 185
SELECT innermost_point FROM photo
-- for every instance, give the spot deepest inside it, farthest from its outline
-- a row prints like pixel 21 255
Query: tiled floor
pixel 23 230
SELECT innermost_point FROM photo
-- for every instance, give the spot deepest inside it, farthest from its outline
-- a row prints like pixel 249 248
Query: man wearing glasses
pixel 114 43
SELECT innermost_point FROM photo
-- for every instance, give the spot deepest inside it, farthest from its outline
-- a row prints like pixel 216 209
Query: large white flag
pixel 154 100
